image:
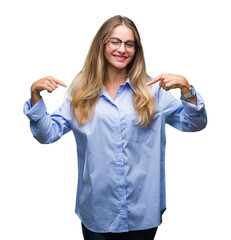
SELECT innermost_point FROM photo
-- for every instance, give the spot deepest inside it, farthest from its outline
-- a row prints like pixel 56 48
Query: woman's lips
pixel 120 58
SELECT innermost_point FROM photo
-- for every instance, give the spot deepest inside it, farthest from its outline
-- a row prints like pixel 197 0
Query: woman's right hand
pixel 48 83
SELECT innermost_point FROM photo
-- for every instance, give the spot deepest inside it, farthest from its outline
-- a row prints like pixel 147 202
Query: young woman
pixel 118 114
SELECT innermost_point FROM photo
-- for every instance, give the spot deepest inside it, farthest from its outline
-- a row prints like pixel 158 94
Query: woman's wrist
pixel 185 87
pixel 35 97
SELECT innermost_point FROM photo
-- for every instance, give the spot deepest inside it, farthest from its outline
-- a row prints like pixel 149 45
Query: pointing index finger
pixel 156 79
pixel 60 83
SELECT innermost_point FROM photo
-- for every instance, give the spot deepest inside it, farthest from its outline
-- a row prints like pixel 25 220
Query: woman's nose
pixel 122 47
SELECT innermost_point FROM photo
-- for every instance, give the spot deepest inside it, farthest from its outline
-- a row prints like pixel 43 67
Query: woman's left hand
pixel 171 81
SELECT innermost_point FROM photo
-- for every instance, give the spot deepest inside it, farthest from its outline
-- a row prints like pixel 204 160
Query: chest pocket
pixel 134 132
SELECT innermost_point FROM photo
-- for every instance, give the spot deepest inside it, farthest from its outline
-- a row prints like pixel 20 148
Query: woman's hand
pixel 48 83
pixel 171 81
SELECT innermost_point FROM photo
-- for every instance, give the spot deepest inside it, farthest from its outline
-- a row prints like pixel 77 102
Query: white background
pixel 52 37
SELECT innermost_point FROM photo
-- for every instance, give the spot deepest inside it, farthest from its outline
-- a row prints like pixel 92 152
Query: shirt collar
pixel 127 82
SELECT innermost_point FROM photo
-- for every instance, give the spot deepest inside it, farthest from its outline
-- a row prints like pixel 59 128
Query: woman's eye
pixel 130 44
pixel 115 42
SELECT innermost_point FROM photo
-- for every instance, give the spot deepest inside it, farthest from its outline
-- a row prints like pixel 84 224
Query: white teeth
pixel 120 57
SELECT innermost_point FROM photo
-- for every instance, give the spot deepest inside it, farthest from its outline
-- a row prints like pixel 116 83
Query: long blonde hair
pixel 86 87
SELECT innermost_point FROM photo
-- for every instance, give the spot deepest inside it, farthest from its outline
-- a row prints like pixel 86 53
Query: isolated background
pixel 52 37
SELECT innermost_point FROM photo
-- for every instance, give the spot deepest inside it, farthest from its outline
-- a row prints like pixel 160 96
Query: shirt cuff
pixel 36 112
pixel 192 109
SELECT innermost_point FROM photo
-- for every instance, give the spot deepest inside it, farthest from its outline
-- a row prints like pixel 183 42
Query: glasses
pixel 115 43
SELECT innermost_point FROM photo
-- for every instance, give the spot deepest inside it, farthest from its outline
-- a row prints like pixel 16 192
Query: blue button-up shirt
pixel 121 166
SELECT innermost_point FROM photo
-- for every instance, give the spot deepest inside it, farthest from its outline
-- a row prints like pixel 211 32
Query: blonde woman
pixel 118 114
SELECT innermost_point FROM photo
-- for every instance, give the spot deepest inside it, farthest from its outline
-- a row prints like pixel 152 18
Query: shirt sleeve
pixel 183 115
pixel 48 128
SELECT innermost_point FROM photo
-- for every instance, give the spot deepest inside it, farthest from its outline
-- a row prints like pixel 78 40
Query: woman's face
pixel 121 57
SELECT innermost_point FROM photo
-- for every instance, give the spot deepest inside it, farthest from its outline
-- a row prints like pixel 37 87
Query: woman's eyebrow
pixel 132 40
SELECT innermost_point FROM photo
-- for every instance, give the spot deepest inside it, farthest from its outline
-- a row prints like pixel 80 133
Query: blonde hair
pixel 86 87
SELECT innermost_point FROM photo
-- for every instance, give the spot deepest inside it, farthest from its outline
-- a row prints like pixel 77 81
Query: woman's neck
pixel 115 77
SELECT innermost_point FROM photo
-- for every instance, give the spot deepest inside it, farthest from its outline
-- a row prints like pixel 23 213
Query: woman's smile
pixel 120 58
